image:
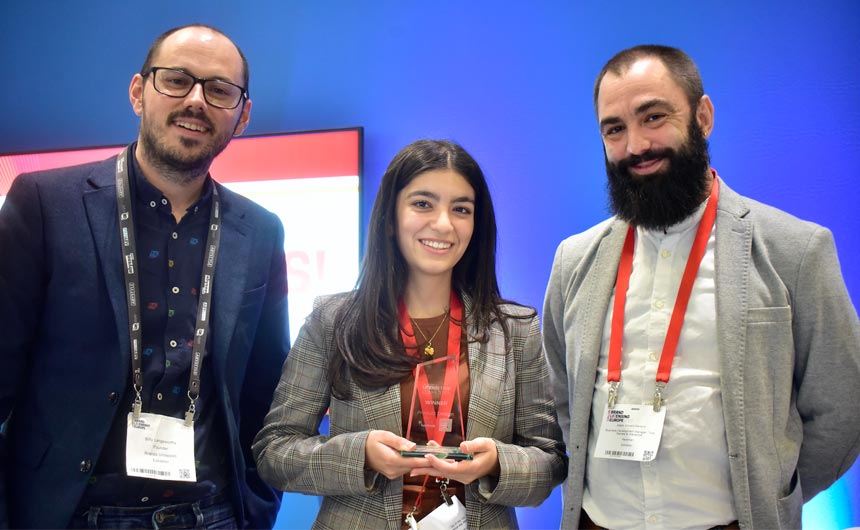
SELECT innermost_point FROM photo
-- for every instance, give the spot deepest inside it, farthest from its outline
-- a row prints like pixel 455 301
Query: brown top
pixel 435 374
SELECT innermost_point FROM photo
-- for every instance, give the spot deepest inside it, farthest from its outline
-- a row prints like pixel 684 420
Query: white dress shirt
pixel 687 484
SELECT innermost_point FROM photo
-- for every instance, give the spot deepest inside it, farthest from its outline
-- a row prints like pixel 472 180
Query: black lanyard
pixel 132 283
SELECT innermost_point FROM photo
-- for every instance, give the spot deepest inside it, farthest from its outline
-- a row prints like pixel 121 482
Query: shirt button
pixel 86 465
pixel 173 344
pixel 175 235
pixel 652 519
pixel 652 356
pixel 159 396
pixel 175 290
pixel 164 202
pixel 665 254
pixel 113 397
pixel 152 204
pixel 658 304
pixel 144 499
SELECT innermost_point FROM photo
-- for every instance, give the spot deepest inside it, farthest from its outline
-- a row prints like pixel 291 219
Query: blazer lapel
pixel 596 290
pixel 230 282
pixel 732 263
pixel 100 205
pixel 487 373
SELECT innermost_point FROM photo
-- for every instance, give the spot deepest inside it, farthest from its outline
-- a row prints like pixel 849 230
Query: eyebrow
pixel 435 197
pixel 215 78
pixel 656 102
pixel 641 109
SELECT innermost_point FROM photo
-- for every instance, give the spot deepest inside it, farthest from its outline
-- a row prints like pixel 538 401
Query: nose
pixel 442 223
pixel 196 97
pixel 637 142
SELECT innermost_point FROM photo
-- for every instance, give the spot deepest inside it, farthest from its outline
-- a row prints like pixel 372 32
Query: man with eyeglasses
pixel 143 317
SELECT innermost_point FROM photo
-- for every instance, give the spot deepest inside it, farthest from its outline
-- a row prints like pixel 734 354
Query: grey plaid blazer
pixel 510 401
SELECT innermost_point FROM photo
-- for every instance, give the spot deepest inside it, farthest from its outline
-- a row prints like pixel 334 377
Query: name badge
pixel 160 448
pixel 445 517
pixel 630 432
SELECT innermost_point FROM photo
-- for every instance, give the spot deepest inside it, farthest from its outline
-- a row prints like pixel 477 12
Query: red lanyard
pixel 451 384
pixel 622 281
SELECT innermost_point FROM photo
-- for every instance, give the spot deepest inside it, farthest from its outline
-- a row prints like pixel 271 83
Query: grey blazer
pixel 510 401
pixel 789 344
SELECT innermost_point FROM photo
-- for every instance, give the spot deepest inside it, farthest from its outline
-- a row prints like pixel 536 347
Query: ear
pixel 244 118
pixel 135 93
pixel 705 115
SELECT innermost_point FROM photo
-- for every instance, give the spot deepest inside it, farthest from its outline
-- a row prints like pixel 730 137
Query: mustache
pixel 651 154
pixel 188 113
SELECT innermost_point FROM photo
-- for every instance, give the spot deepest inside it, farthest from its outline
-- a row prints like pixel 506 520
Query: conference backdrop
pixel 511 81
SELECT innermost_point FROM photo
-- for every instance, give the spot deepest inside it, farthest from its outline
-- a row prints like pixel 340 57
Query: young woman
pixel 423 350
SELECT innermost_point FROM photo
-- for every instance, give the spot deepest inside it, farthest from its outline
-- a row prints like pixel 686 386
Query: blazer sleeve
pixel 535 462
pixel 291 453
pixel 827 369
pixel 21 295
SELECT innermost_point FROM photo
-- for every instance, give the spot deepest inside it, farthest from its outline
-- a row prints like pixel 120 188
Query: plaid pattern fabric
pixel 509 401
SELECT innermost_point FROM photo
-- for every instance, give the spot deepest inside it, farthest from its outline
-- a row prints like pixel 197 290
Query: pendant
pixel 429 350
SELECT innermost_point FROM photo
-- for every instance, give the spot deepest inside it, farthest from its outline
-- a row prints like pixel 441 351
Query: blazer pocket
pixel 254 296
pixel 789 507
pixel 763 315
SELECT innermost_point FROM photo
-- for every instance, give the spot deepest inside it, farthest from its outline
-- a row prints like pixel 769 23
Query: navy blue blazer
pixel 64 342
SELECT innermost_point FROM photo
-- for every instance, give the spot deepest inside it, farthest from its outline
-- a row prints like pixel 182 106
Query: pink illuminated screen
pixel 311 180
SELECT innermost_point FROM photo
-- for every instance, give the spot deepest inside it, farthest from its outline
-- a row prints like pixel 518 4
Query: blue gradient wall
pixel 511 81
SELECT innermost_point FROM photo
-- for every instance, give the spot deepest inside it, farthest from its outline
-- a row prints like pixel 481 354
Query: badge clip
pixel 136 407
pixel 613 394
pixel 443 489
pixel 658 395
pixel 189 414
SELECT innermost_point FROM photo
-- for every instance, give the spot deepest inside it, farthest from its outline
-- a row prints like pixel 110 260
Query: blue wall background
pixel 511 81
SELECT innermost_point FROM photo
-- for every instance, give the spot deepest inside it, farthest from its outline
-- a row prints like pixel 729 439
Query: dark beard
pixel 173 165
pixel 663 199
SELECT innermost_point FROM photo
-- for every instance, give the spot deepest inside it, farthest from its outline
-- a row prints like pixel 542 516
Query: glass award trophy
pixel 435 413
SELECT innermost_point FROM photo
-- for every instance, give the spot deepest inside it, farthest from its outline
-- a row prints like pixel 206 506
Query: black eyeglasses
pixel 178 84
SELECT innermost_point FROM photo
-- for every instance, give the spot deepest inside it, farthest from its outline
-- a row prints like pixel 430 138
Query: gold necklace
pixel 428 348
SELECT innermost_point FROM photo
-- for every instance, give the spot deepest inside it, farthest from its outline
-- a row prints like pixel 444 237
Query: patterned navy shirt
pixel 170 256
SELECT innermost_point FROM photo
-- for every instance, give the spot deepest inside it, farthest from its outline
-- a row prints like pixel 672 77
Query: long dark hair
pixel 367 340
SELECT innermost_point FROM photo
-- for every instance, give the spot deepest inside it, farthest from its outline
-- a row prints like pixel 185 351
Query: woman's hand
pixel 382 454
pixel 485 462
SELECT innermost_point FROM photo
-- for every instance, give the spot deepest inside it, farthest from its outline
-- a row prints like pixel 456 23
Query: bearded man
pixel 702 345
